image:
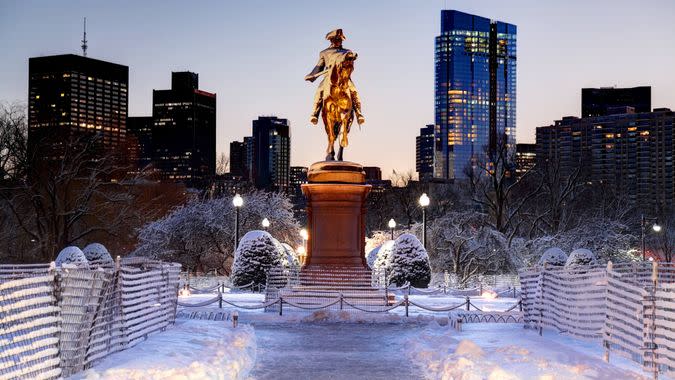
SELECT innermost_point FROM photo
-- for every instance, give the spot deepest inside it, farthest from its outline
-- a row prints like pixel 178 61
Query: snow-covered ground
pixel 348 345
pixel 188 350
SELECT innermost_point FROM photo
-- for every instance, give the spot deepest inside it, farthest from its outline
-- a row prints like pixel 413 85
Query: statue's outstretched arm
pixel 317 71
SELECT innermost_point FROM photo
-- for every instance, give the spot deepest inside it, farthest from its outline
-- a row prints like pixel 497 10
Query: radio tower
pixel 84 40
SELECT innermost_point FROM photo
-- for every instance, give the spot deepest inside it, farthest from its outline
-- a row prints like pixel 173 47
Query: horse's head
pixel 342 72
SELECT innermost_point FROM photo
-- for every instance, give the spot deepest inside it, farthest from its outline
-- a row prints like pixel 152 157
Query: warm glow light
pixel 304 233
pixel 301 251
pixel 656 228
pixel 184 292
pixel 424 200
pixel 238 201
pixel 265 223
pixel 489 294
pixel 392 223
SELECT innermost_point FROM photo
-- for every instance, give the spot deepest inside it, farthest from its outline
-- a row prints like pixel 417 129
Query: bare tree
pixel 495 187
pixel 222 164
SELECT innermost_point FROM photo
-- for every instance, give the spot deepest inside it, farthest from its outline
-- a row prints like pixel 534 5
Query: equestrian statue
pixel 336 98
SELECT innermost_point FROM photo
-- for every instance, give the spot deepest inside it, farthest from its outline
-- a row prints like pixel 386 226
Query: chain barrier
pixel 200 304
pixel 329 304
pixel 383 310
pixel 436 309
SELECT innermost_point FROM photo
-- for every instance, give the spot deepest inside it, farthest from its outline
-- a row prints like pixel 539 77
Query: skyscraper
pixel 271 153
pixel 475 90
pixel 184 130
pixel 424 153
pixel 608 100
pixel 298 176
pixel 73 95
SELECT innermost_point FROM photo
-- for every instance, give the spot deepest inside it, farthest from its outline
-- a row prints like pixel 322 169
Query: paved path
pixel 334 351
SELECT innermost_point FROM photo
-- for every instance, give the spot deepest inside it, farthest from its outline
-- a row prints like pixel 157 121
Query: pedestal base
pixel 336 196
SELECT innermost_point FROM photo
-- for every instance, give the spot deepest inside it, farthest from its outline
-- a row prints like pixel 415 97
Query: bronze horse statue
pixel 340 105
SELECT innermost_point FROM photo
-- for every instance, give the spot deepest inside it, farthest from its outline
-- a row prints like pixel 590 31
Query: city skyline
pixel 257 69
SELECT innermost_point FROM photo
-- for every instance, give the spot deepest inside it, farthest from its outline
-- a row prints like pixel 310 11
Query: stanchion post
pixel 468 303
pixel 514 291
pixel 340 301
pixel 541 327
pixel 220 299
pixel 281 306
pixel 406 304
pixel 520 304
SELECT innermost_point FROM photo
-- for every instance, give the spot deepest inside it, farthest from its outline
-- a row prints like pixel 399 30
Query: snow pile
pixel 256 254
pixel 97 253
pixel 553 256
pixel 409 262
pixel 581 256
pixel 190 350
pixel 371 256
pixel 506 352
pixel 71 257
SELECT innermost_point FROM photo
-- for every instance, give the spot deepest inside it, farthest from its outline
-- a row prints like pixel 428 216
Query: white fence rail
pixel 59 323
pixel 630 307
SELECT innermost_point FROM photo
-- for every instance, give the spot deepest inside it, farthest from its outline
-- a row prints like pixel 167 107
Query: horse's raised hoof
pixel 314 120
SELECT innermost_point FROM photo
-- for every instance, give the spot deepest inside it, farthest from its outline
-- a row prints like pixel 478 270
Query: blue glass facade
pixel 475 90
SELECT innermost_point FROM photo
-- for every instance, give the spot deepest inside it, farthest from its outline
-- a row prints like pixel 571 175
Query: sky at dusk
pixel 254 55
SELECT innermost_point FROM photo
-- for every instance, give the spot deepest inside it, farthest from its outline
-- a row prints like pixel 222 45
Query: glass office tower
pixel 475 91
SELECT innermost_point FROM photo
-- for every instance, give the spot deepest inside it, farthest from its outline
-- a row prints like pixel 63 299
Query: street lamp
pixel 392 226
pixel 237 201
pixel 424 202
pixel 302 254
pixel 265 223
pixel 643 223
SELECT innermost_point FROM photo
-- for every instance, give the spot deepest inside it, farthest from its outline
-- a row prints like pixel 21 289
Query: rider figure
pixel 327 59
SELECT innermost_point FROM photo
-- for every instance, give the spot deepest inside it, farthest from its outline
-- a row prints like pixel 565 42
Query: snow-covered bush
pixel 291 255
pixel 371 256
pixel 200 235
pixel 409 262
pixel 71 257
pixel 96 253
pixel 382 263
pixel 553 256
pixel 377 239
pixel 580 257
pixel 256 254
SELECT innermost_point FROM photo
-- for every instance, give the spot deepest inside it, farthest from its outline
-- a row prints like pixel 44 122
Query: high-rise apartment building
pixel 526 158
pixel 184 130
pixel 609 100
pixel 475 90
pixel 73 95
pixel 632 153
pixel 298 176
pixel 270 153
pixel 424 153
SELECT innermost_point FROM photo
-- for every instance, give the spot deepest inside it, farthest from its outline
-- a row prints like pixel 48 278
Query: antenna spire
pixel 84 40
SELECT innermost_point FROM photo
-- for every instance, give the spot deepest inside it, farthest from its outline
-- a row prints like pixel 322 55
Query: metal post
pixel 424 227
pixel 220 300
pixel 642 235
pixel 406 305
pixel 520 305
pixel 281 306
pixel 392 234
pixel 236 228
pixel 340 301
pixel 468 303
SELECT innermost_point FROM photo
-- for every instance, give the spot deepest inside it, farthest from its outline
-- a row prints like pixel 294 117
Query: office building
pixel 526 158
pixel 139 136
pixel 631 153
pixel 238 163
pixel 475 91
pixel 270 147
pixel 424 153
pixel 298 176
pixel 373 173
pixel 184 130
pixel 71 95
pixel 609 100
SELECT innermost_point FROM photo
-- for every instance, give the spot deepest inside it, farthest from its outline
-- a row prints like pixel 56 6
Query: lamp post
pixel 265 223
pixel 302 254
pixel 237 201
pixel 392 226
pixel 424 202
pixel 643 227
